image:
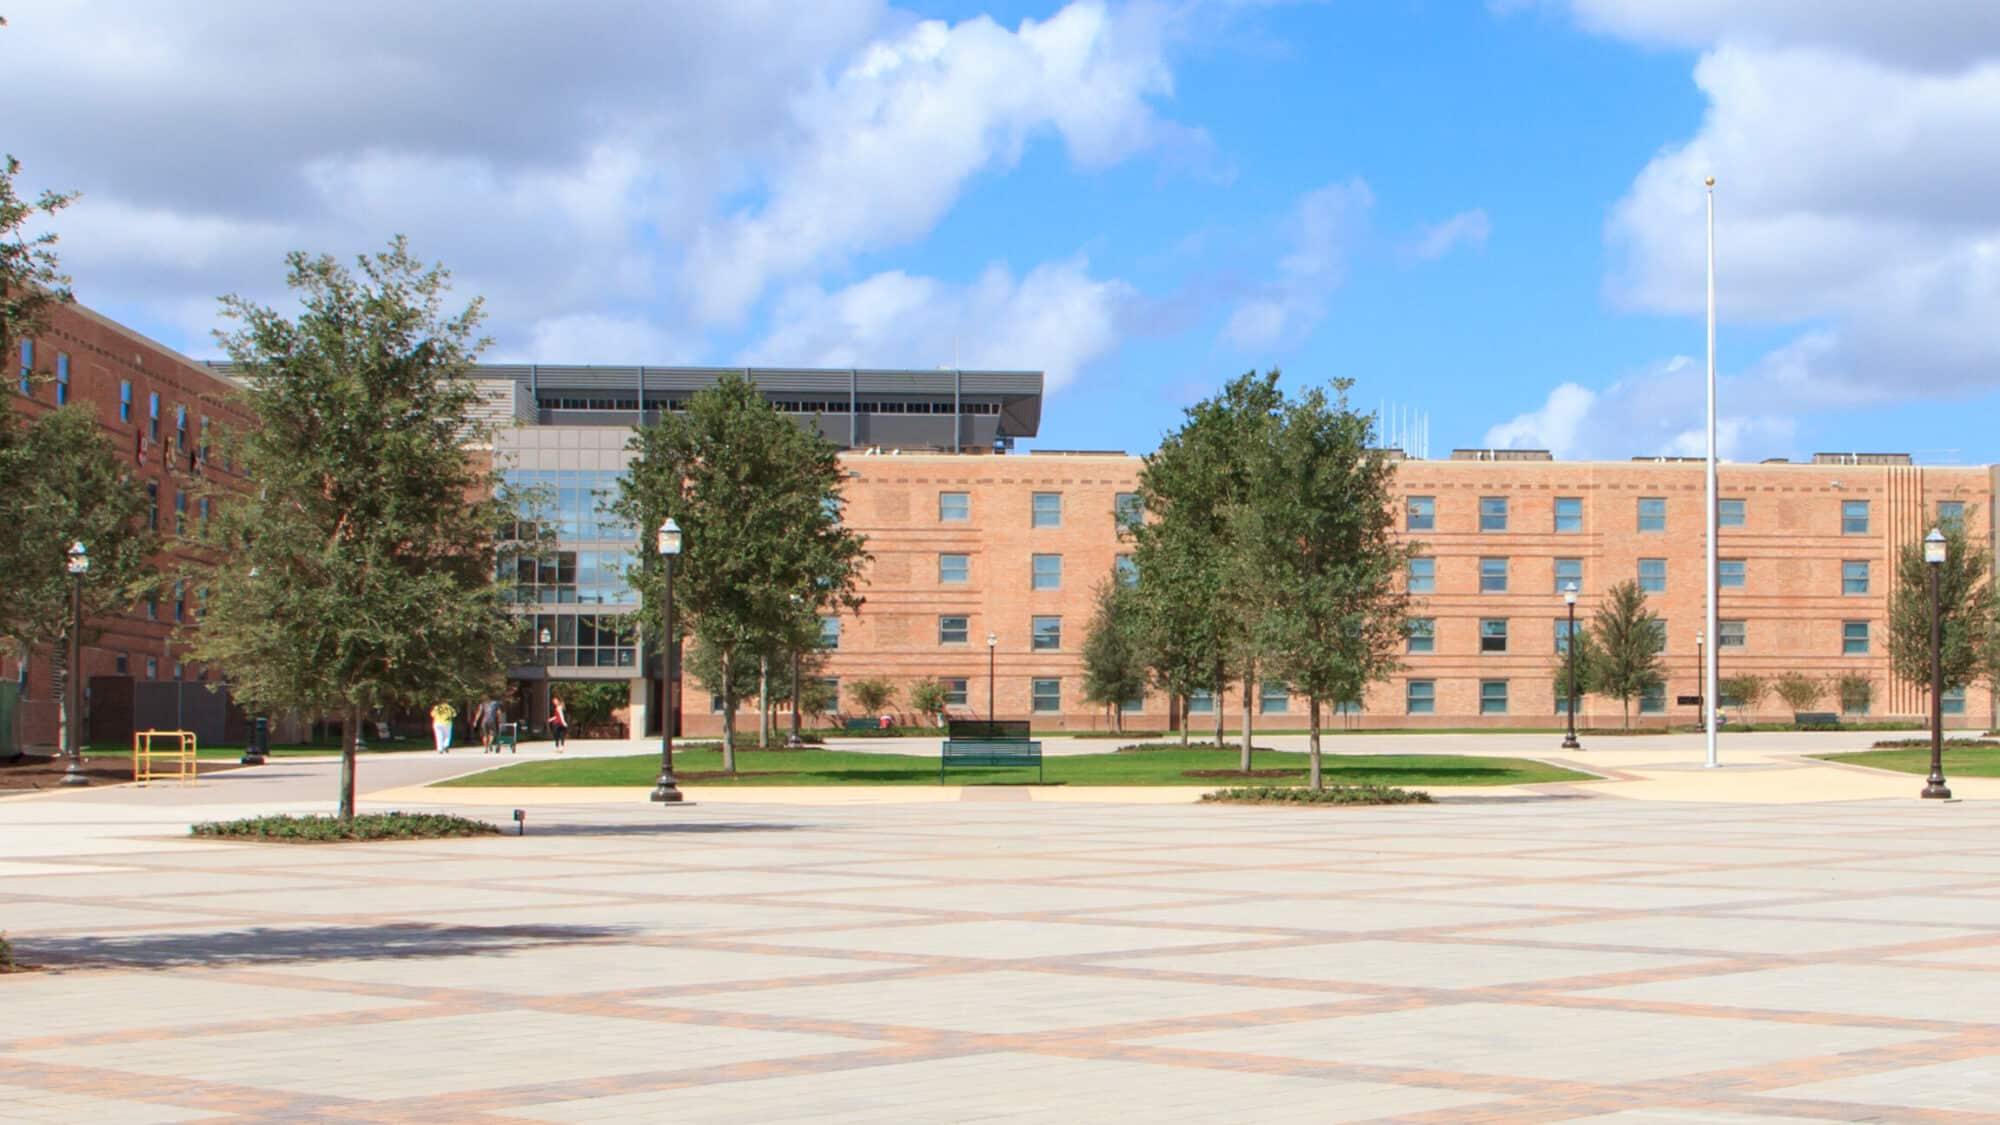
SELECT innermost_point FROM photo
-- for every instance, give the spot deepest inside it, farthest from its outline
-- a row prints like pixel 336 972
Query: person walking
pixel 441 717
pixel 558 721
pixel 487 721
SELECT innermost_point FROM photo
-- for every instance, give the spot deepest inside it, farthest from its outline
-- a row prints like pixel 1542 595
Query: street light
pixel 79 565
pixel 1934 554
pixel 1569 741
pixel 992 642
pixel 669 543
pixel 793 741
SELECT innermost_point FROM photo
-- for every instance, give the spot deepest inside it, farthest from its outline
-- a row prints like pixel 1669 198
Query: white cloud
pixel 1322 227
pixel 1930 33
pixel 1655 412
pixel 1467 228
pixel 1058 318
pixel 882 150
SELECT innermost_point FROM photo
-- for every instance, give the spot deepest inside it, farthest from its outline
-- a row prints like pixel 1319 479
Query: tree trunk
pixel 1221 695
pixel 763 703
pixel 1312 705
pixel 1180 703
pixel 350 733
pixel 1118 717
pixel 728 712
pixel 1626 703
pixel 1249 690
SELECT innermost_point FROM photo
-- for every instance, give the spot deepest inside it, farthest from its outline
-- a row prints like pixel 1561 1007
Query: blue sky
pixel 1488 212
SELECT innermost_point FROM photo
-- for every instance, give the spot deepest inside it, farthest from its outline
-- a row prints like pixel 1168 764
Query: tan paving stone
pixel 1964 1086
pixel 1882 989
pixel 1730 934
pixel 1407 963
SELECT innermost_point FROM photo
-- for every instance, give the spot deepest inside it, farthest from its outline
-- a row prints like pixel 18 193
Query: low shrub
pixel 7 962
pixel 1117 734
pixel 1140 747
pixel 1331 795
pixel 1925 744
pixel 330 830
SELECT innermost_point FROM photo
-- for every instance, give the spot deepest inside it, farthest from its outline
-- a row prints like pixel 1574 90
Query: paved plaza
pixel 1565 955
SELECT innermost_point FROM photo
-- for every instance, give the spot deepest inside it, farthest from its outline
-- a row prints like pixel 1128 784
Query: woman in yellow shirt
pixel 441 717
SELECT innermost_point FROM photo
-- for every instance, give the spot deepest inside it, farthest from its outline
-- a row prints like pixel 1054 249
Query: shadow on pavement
pixel 700 829
pixel 270 946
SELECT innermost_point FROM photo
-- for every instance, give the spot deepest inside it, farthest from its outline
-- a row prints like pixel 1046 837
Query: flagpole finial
pixel 1709 180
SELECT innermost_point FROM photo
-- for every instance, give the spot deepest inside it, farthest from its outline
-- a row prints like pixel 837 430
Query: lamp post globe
pixel 1936 548
pixel 1569 741
pixel 77 562
pixel 668 541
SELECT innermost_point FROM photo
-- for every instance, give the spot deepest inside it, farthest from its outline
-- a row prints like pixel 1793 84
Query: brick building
pixel 168 414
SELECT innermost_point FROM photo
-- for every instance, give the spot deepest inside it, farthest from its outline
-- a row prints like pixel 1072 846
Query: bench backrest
pixel 992 730
pixel 1815 718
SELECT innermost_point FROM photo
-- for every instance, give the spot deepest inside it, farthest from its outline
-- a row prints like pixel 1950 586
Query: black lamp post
pixel 1934 555
pixel 669 542
pixel 1569 741
pixel 79 565
pixel 992 643
pixel 793 741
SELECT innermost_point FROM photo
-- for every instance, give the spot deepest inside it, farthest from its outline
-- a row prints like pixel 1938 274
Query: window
pixel 955 694
pixel 1854 517
pixel 1492 576
pixel 1569 575
pixel 574 504
pixel 1422 513
pixel 1493 513
pixel 152 607
pixel 832 685
pixel 1201 701
pixel 1047 633
pixel 153 505
pixel 1653 575
pixel 1951 511
pixel 203 449
pixel 954 570
pixel 204 518
pixel 1729 513
pixel 153 416
pixel 1047 572
pixel 1274 697
pixel 123 664
pixel 954 629
pixel 1854 577
pixel 1420 697
pixel 1047 510
pixel 180 514
pixel 1953 701
pixel 830 507
pixel 1128 511
pixel 1134 704
pixel 1731 634
pixel 1658 625
pixel 1125 570
pixel 62 378
pixel 954 507
pixel 180 605
pixel 1569 514
pixel 1423 635
pixel 180 429
pixel 152 667
pixel 27 366
pixel 1729 573
pixel 829 632
pixel 1854 638
pixel 1047 695
pixel 1493 697
pixel 579 640
pixel 124 400
pixel 1423 576
pixel 714 703
pixel 1653 699
pixel 1563 632
pixel 1493 634
pixel 1652 513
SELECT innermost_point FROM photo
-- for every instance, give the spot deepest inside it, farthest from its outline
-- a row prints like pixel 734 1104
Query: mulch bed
pixel 1244 773
pixel 45 771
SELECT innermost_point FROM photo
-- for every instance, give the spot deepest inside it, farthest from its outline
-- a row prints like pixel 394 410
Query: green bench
pixel 990 752
pixel 1825 719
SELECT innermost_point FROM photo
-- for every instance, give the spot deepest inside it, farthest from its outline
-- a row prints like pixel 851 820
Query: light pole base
pixel 794 742
pixel 74 777
pixel 250 758
pixel 1937 791
pixel 1570 743
pixel 666 791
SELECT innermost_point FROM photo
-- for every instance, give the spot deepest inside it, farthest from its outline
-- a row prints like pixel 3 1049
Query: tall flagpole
pixel 1711 694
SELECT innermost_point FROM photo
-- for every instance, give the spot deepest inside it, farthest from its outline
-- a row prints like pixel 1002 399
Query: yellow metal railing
pixel 173 758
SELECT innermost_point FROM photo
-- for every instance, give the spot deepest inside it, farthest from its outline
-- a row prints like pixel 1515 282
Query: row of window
pixel 1652 575
pixel 180 603
pixel 27 377
pixel 203 509
pixel 1730 633
pixel 1651 514
pixel 1045 572
pixel 1045 509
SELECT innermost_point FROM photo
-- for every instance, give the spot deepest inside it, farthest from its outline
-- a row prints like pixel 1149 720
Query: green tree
pixel 1202 605
pixel 1746 691
pixel 1321 531
pixel 1113 670
pixel 31 277
pixel 1856 693
pixel 1966 609
pixel 62 481
pixel 927 699
pixel 1628 637
pixel 1799 691
pixel 873 696
pixel 361 574
pixel 757 497
pixel 1588 658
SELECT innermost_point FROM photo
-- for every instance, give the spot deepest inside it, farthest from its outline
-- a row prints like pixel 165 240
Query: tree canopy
pixel 1113 668
pixel 1626 641
pixel 1967 604
pixel 361 574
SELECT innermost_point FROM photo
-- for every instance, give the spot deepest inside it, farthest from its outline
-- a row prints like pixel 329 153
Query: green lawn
pixel 1153 767
pixel 1971 762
